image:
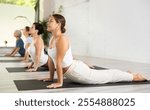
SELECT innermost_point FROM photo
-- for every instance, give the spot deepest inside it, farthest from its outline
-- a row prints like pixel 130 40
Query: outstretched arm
pixel 26 56
pixel 51 70
pixel 61 48
pixel 13 52
pixel 38 49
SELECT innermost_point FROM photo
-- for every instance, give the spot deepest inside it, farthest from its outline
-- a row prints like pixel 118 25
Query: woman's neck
pixel 57 34
pixel 26 35
pixel 35 36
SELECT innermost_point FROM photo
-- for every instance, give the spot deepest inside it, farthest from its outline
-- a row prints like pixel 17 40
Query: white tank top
pixel 28 40
pixel 67 60
pixel 32 52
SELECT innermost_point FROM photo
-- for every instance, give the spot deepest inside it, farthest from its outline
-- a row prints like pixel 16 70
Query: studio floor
pixel 7 84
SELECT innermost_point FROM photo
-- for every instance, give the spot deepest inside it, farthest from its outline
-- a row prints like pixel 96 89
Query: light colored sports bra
pixel 32 52
pixel 67 60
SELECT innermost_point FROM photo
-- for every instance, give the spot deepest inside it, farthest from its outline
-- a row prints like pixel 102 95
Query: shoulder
pixel 19 40
pixel 38 42
pixel 63 41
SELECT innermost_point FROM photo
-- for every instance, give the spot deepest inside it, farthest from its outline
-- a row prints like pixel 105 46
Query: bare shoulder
pixel 38 42
pixel 63 40
pixel 62 43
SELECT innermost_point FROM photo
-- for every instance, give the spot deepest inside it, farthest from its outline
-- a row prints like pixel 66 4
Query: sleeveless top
pixel 32 52
pixel 28 40
pixel 20 44
pixel 67 60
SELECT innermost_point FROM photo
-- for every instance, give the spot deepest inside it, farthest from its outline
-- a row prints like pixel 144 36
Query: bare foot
pixel 139 77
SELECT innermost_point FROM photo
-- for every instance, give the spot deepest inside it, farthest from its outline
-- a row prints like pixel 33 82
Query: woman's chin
pixel 49 30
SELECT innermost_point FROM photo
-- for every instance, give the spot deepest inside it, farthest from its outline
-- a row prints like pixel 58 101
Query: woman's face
pixel 32 30
pixel 52 24
pixel 24 31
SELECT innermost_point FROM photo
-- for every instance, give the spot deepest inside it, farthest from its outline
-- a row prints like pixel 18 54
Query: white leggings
pixel 80 72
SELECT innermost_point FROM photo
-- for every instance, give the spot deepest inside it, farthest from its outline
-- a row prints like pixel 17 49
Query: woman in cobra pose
pixel 77 71
pixel 36 49
pixel 26 32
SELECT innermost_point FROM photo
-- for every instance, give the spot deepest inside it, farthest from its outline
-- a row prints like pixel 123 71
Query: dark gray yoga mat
pixel 10 56
pixel 37 84
pixel 98 68
pixel 23 69
pixel 6 61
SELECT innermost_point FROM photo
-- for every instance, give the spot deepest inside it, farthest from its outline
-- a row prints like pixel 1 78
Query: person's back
pixel 20 44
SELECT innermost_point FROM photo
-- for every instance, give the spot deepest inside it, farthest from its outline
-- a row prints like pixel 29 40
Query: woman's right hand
pixel 54 85
pixel 31 70
pixel 29 66
pixel 46 79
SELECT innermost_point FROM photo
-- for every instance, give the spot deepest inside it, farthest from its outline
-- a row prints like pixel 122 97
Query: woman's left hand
pixel 54 85
pixel 31 70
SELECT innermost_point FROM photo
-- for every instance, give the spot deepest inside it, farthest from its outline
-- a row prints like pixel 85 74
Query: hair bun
pixel 63 30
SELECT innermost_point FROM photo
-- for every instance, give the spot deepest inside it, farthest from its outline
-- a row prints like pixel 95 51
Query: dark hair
pixel 39 27
pixel 27 28
pixel 60 19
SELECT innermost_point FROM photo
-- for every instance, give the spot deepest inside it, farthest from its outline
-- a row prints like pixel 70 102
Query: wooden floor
pixel 7 84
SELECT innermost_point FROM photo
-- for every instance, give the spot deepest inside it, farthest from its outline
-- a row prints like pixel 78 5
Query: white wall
pixel 46 9
pixel 122 28
pixel 118 29
pixel 8 23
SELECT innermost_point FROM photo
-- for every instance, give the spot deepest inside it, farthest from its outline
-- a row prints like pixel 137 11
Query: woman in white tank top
pixel 77 71
pixel 26 33
pixel 36 49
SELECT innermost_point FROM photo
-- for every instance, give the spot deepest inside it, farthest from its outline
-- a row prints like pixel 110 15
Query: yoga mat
pixel 98 68
pixel 10 56
pixel 23 69
pixel 34 84
pixel 6 61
